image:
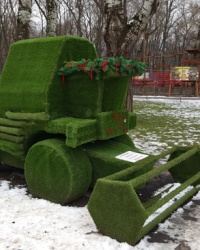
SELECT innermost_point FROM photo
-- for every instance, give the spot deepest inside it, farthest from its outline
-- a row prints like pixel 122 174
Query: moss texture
pixel 55 172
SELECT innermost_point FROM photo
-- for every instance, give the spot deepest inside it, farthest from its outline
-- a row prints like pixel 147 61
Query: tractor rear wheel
pixel 56 172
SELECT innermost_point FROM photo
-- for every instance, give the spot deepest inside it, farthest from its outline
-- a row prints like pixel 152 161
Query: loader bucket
pixel 116 207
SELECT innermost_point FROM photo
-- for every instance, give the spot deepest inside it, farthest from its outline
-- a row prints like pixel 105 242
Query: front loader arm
pixel 118 211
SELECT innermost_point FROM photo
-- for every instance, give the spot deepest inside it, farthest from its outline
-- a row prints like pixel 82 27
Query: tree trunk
pixel 197 45
pixel 51 17
pixel 115 21
pixel 23 19
pixel 121 36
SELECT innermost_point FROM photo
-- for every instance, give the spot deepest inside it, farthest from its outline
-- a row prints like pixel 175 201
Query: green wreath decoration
pixel 100 66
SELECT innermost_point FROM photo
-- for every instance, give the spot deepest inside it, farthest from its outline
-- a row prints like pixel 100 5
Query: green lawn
pixel 162 124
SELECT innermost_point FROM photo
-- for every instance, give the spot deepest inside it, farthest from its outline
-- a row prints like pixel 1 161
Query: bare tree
pixel 130 27
pixel 7 27
pixel 196 11
pixel 23 19
pixel 122 35
pixel 76 9
pixel 40 14
pixel 51 17
pixel 49 10
pixel 197 45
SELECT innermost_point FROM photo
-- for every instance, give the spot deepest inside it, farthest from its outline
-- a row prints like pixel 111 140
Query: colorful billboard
pixel 185 73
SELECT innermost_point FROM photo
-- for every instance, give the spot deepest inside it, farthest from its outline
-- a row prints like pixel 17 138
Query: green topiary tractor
pixel 69 130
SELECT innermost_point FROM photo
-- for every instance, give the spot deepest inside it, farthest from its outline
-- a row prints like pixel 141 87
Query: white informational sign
pixel 131 156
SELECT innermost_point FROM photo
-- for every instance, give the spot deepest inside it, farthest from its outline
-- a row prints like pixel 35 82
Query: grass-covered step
pixel 12 138
pixel 12 130
pixel 56 172
pixel 41 116
pixel 81 131
pixel 78 131
pixel 15 159
pixel 12 151
pixel 10 123
pixel 11 147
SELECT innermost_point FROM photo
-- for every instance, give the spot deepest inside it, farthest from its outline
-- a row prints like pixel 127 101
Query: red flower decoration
pixel 104 65
pixel 117 66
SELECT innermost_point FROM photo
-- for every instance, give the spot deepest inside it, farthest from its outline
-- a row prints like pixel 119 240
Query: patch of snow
pixel 169 203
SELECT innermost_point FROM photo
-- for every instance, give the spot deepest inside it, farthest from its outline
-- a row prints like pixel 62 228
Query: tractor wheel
pixel 56 172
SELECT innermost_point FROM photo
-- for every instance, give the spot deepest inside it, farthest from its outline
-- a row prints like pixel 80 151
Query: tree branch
pixel 134 28
pixel 39 7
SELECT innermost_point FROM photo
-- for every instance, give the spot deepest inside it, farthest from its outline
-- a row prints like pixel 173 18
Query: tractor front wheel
pixel 56 172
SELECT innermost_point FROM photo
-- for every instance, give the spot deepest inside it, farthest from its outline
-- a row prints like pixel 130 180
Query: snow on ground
pixel 35 224
pixel 27 223
pixel 186 111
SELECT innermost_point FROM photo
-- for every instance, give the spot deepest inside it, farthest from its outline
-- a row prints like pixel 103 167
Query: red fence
pixel 163 79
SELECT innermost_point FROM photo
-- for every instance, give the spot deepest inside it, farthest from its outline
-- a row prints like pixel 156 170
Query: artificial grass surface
pixel 80 132
pixel 113 123
pixel 56 172
pixel 37 104
pixel 29 82
pixel 125 139
pixel 83 110
pixel 114 92
pixel 11 156
pixel 116 208
pixel 31 89
pixel 102 157
pixel 185 170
